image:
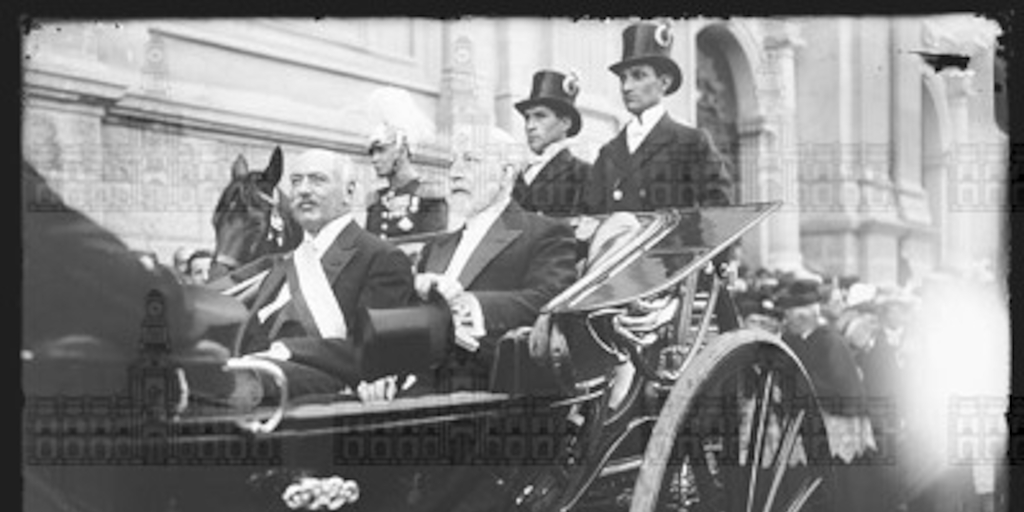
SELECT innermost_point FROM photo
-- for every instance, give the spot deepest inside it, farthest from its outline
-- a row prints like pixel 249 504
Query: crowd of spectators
pixel 900 355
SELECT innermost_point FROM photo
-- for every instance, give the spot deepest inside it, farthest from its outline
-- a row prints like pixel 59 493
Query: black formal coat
pixel 522 262
pixel 364 272
pixel 675 166
pixel 832 369
pixel 557 189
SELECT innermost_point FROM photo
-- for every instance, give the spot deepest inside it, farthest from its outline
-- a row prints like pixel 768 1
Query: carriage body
pixel 586 411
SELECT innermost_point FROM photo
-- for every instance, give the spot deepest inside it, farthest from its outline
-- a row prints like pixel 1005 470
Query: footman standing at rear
pixel 552 183
pixel 654 162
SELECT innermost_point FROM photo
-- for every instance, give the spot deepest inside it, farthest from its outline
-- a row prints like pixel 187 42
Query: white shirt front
pixel 639 127
pixel 321 242
pixel 537 164
pixel 473 232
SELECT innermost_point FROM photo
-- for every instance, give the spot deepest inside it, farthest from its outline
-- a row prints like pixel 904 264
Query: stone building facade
pixel 874 155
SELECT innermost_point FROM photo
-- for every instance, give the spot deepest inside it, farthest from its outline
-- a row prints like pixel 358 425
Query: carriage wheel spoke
pixel 761 426
pixel 801 497
pixel 782 457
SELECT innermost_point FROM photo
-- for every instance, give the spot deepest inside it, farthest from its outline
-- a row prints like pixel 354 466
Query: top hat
pixel 649 43
pixel 406 339
pixel 556 91
pixel 801 292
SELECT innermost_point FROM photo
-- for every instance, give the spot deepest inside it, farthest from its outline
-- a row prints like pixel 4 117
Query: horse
pixel 252 222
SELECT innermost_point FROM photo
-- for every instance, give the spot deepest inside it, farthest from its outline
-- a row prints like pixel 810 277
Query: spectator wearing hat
pixel 552 183
pixel 757 310
pixel 821 348
pixel 654 162
pixel 402 207
pixel 837 384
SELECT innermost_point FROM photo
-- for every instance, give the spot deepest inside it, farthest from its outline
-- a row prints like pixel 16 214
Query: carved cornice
pixel 782 35
pixel 69 79
pixel 960 34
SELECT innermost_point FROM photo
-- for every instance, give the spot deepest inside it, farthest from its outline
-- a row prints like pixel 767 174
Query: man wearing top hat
pixel 654 162
pixel 402 207
pixel 552 183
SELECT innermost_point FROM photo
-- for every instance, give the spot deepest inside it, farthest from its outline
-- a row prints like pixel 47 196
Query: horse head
pixel 252 218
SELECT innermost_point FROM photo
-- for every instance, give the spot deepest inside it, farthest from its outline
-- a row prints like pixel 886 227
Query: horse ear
pixel 273 172
pixel 240 168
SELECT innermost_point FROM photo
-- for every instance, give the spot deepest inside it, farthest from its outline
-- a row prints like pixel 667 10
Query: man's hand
pixel 447 287
pixel 383 389
pixel 277 350
pixel 585 227
pixel 463 305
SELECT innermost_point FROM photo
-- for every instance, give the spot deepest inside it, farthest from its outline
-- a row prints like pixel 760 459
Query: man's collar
pixel 549 152
pixel 325 237
pixel 649 117
pixel 484 218
pixel 539 161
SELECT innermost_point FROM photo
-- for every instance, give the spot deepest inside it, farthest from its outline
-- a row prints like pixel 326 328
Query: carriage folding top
pixel 615 381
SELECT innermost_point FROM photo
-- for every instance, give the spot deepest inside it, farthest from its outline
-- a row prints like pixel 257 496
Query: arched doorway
pixel 728 109
pixel 716 103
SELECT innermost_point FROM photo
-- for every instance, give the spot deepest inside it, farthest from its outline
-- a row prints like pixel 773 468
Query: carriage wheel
pixel 741 430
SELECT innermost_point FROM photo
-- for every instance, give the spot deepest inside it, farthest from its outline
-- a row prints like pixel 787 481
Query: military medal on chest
pixel 399 207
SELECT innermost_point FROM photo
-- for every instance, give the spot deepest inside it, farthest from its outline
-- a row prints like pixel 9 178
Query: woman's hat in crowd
pixel 649 43
pixel 558 92
pixel 797 293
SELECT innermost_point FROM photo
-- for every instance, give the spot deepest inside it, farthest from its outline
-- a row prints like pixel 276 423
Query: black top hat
pixel 801 292
pixel 649 43
pixel 556 91
pixel 404 340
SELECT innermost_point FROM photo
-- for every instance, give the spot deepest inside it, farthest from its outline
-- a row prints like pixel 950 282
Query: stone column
pixel 963 174
pixel 778 145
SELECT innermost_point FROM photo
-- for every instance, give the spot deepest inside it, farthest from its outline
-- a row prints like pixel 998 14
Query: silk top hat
pixel 649 43
pixel 556 91
pixel 404 340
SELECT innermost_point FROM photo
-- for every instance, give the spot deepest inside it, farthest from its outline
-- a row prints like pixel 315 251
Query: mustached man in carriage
pixel 305 317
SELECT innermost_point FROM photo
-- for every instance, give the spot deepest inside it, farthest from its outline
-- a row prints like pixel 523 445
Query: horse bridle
pixel 230 262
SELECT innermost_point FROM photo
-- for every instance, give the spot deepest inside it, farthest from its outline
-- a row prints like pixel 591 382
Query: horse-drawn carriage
pixel 637 388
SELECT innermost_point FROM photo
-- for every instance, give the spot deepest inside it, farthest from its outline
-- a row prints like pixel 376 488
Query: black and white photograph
pixel 503 263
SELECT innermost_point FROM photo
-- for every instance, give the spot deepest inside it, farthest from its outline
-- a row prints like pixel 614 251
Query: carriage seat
pixel 516 371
